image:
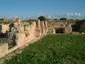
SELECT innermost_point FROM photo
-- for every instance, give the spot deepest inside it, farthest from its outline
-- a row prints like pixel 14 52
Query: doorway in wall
pixel 59 30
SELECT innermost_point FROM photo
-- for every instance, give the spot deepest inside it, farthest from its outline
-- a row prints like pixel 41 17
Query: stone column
pixel 54 31
pixel 43 27
pixel 46 27
pixel 68 29
pixel 38 28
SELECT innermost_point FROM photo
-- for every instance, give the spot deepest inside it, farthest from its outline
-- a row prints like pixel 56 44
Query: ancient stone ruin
pixel 18 33
pixel 59 27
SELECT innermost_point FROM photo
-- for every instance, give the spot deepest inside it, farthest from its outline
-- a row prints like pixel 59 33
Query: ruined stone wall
pixel 26 36
pixel 31 31
pixel 60 27
pixel 20 39
pixel 22 36
pixel 41 28
pixel 4 28
pixel 38 29
pixel 3 49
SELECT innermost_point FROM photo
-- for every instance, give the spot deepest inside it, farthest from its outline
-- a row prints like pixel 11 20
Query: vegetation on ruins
pixel 17 19
pixel 53 49
pixel 25 26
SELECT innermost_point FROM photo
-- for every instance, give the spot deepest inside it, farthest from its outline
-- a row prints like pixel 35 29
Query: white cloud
pixel 68 14
pixel 78 14
pixel 71 14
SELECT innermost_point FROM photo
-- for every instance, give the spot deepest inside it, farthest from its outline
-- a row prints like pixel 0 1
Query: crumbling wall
pixel 41 28
pixel 20 35
pixel 23 37
pixel 38 29
pixel 5 27
pixel 31 31
pixel 59 27
pixel 68 29
pixel 20 39
pixel 3 49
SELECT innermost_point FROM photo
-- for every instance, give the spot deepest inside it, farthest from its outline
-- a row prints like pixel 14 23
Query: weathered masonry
pixel 21 34
pixel 18 34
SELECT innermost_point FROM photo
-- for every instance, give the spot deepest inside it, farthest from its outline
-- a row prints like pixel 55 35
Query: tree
pixel 63 18
pixel 42 18
pixel 1 19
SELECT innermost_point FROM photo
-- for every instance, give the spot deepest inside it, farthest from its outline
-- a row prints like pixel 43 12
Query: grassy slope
pixel 53 49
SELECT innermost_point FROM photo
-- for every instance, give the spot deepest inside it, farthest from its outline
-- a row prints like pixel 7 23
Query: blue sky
pixel 41 7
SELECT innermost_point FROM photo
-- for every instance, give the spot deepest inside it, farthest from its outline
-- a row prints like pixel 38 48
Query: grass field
pixel 53 49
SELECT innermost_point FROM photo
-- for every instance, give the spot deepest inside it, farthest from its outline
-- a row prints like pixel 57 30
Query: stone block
pixel 3 49
pixel 68 30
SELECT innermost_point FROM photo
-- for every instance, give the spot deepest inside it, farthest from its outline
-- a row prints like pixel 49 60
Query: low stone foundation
pixel 3 49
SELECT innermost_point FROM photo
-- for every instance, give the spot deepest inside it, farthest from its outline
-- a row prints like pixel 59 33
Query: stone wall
pixel 33 31
pixel 41 28
pixel 68 29
pixel 23 36
pixel 59 27
pixel 4 28
pixel 3 49
pixel 22 39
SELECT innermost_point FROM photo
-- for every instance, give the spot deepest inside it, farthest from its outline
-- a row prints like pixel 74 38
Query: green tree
pixel 63 18
pixel 42 18
pixel 1 19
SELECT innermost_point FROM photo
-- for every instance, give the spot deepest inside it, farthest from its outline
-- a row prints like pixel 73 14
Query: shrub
pixel 25 26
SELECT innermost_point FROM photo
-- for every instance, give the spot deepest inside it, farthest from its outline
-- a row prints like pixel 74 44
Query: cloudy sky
pixel 25 8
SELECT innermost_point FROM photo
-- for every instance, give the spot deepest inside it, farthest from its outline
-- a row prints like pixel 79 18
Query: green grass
pixel 53 49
